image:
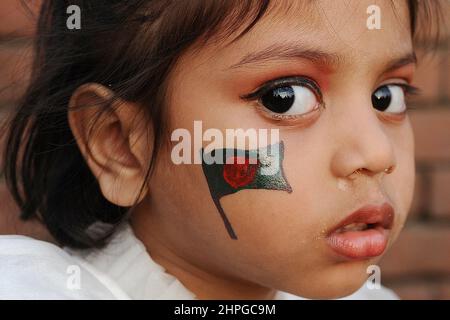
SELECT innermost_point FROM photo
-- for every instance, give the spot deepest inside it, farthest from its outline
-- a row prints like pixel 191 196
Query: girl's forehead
pixel 311 14
pixel 329 33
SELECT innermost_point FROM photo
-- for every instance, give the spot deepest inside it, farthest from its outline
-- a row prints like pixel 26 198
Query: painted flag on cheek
pixel 229 171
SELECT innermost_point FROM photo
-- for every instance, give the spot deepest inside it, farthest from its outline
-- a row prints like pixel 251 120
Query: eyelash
pixel 287 81
pixel 409 90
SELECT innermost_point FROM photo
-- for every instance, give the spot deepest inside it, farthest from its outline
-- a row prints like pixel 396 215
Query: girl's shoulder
pixel 34 269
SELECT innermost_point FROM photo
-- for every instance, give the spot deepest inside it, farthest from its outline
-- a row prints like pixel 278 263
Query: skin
pixel 281 243
pixel 10 222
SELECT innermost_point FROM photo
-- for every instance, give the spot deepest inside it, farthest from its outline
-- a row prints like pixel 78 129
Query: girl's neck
pixel 205 285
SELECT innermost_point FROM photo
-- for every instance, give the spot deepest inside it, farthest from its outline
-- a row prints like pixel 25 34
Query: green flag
pixel 228 171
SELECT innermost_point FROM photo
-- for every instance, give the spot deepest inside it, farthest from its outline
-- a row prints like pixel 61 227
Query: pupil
pixel 279 100
pixel 381 99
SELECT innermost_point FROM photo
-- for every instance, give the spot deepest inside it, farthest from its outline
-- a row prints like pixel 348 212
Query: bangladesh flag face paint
pixel 243 169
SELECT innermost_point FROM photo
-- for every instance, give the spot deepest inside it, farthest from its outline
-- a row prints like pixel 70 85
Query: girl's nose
pixel 363 142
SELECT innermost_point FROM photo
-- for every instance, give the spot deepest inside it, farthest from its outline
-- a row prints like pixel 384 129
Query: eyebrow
pixel 289 51
pixel 409 58
pixel 278 52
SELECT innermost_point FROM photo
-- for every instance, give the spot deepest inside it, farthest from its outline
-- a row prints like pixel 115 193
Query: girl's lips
pixel 360 244
pixel 364 234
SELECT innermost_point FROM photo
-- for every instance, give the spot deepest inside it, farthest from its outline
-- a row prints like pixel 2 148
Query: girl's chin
pixel 332 290
pixel 336 281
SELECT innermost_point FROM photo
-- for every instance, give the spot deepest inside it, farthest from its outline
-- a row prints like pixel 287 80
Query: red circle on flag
pixel 239 172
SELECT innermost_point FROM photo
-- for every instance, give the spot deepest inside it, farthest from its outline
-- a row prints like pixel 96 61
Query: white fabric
pixel 33 269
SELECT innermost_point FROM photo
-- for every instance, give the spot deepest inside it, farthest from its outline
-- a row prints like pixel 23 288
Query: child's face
pixel 283 238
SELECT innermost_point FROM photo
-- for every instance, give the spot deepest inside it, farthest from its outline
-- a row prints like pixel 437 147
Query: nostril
pixel 362 171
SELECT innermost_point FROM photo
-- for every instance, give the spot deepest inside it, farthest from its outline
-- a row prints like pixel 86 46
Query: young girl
pixel 93 151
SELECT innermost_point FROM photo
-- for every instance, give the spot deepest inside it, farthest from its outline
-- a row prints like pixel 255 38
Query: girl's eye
pixel 290 100
pixel 389 98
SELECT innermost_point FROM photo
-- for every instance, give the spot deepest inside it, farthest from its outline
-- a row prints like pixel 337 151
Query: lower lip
pixel 359 244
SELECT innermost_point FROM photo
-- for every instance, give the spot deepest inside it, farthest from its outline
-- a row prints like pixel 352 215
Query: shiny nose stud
pixel 389 170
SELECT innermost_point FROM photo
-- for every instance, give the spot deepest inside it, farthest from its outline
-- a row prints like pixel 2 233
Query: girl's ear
pixel 114 140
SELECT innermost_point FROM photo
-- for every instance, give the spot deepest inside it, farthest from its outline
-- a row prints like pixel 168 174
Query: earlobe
pixel 112 141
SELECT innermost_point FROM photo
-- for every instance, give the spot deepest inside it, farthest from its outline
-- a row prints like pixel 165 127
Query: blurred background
pixel 418 265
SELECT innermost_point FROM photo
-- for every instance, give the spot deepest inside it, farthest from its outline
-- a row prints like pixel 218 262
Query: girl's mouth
pixel 363 234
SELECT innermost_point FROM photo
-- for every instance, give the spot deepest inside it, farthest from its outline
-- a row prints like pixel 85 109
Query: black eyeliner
pixel 287 81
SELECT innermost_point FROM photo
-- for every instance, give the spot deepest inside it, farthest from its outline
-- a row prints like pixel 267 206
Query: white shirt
pixel 34 269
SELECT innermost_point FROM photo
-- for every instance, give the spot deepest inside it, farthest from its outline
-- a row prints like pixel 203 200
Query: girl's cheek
pixel 399 185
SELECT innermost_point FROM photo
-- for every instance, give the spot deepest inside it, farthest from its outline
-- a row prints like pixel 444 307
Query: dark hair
pixel 130 46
